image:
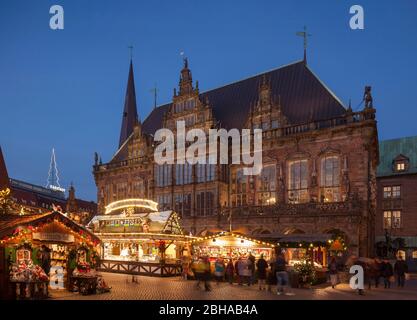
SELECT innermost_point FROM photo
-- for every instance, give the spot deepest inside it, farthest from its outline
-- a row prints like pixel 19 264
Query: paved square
pixel 153 288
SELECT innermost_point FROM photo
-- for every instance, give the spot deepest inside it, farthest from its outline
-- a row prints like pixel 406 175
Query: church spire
pixel 130 114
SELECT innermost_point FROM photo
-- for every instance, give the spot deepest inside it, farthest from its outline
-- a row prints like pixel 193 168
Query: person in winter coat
pixel 400 269
pixel 333 272
pixel 237 267
pixel 219 269
pixel 230 270
pixel 251 265
pixel 387 273
pixel 261 266
pixel 245 271
pixel 206 275
pixel 281 274
pixel 271 277
pixel 198 269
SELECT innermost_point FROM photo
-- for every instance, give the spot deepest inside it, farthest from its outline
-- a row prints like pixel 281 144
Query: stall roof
pixel 9 223
pixel 159 222
pixel 234 234
pixel 303 237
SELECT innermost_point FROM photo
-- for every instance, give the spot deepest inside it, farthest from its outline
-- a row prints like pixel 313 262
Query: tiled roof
pixel 390 149
pixel 303 96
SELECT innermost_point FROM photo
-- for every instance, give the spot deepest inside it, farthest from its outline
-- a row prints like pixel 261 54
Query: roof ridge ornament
pixel 305 35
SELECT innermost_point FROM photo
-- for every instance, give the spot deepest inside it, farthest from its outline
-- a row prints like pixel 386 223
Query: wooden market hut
pixel 53 230
pixel 231 245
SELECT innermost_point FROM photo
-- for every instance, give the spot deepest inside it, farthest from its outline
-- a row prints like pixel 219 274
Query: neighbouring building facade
pixel 397 197
pixel 319 159
pixel 28 198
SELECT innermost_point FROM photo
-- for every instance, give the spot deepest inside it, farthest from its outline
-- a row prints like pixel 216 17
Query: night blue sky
pixel 65 89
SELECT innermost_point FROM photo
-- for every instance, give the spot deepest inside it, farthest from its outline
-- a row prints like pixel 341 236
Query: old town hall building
pixel 319 159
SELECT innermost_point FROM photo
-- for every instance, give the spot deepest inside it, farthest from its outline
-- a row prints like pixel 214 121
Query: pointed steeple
pixel 4 177
pixel 130 114
pixel 186 79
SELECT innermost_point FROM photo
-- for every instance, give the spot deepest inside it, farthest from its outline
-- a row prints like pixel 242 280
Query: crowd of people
pixel 378 269
pixel 246 270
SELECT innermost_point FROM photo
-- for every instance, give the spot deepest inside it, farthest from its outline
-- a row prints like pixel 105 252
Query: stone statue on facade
pixel 367 97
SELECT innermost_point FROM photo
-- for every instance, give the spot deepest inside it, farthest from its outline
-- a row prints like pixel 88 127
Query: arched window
pixel 330 179
pixel 297 181
pixel 266 185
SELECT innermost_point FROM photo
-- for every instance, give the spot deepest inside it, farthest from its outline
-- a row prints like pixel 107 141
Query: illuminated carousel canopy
pixel 132 205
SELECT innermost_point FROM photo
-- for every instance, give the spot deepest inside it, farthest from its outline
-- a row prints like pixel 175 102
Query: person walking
pixel 261 266
pixel 400 269
pixel 237 269
pixel 244 271
pixel 333 272
pixel 206 273
pixel 252 263
pixel 219 269
pixel 230 271
pixel 387 273
pixel 281 274
pixel 271 277
pixel 198 269
pixel 249 271
pixel 185 263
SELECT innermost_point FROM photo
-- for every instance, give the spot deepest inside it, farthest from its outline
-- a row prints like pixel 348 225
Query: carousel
pixel 139 239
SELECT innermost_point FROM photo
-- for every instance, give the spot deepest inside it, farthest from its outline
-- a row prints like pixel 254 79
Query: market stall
pixel 231 245
pixel 43 251
pixel 308 254
pixel 138 239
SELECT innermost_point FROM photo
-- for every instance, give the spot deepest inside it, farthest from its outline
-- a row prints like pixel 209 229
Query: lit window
pixel 414 254
pixel 297 181
pixel 387 192
pixel 392 219
pixel 330 179
pixel 401 254
pixel 396 219
pixel 396 191
pixel 400 166
pixel 266 185
pixel 240 188
pixel 387 220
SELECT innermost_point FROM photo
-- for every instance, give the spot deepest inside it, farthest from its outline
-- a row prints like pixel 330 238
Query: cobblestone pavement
pixel 153 288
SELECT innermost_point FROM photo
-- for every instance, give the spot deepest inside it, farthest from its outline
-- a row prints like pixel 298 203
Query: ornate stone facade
pixel 319 160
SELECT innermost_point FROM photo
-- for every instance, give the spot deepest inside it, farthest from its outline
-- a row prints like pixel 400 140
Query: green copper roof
pixel 390 149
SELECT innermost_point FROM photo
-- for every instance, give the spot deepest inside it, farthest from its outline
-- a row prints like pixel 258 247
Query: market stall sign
pixel 48 236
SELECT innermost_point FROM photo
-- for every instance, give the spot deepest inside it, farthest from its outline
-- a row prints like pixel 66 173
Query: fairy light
pixel 134 202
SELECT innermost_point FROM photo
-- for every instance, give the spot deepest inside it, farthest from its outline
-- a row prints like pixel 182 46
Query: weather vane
pixel 154 90
pixel 182 54
pixel 304 34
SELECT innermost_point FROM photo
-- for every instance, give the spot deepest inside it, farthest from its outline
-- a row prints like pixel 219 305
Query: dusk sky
pixel 65 88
